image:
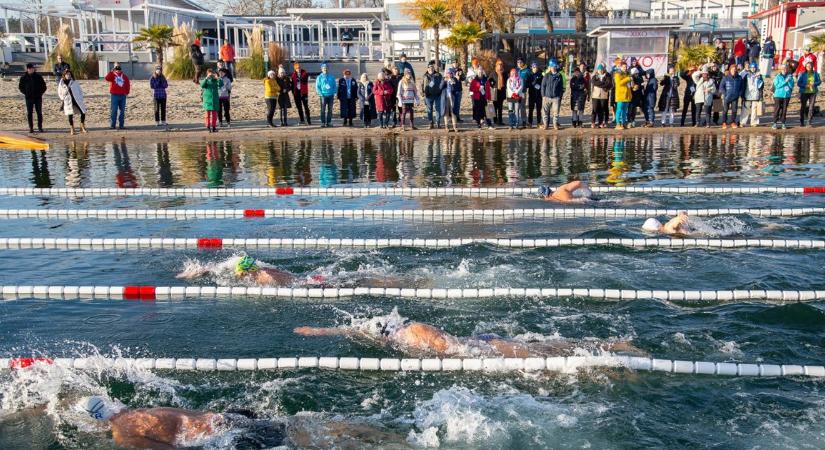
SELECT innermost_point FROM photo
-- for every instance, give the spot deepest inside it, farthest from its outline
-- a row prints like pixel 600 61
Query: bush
pixel 179 66
pixel 254 66
pixel 697 55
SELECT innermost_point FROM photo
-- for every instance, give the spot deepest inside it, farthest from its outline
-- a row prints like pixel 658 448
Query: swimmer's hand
pixel 313 331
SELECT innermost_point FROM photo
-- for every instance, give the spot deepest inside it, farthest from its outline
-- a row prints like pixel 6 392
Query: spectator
pixel 326 87
pixel 740 52
pixel 450 96
pixel 346 41
pixel 407 99
pixel 515 96
pixel 284 88
pixel 637 95
pixel 481 90
pixel 534 95
pixel 524 73
pixel 731 90
pixel 768 53
pixel 403 66
pixel 688 98
pixel 721 50
pixel 782 89
pixel 716 75
pixel 578 97
pixel 347 97
pixel 366 99
pixel 59 68
pixel 807 57
pixel 300 92
pixel 383 92
pixel 808 82
pixel 210 86
pixel 32 86
pixel 552 90
pixel 224 97
pixel 601 83
pixel 499 84
pixel 622 83
pixel 431 87
pixel 227 55
pixel 395 108
pixel 754 86
pixel 229 75
pixel 669 100
pixel 703 98
pixel 651 87
pixel 69 92
pixel 119 87
pixel 754 50
pixel 196 55
pixel 461 78
pixel 271 93
pixel 159 85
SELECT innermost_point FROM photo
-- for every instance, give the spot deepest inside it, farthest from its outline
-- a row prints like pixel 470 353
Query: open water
pixel 593 409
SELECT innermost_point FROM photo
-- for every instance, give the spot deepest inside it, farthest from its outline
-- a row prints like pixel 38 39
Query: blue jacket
pixel 782 85
pixel 650 87
pixel 405 65
pixel 552 85
pixel 325 85
pixel 802 82
pixel 769 49
pixel 731 88
pixel 343 95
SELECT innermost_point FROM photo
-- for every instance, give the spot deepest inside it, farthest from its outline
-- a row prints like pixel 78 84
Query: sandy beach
pixel 185 117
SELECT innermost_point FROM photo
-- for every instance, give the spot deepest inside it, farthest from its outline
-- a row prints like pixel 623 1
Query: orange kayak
pixel 14 141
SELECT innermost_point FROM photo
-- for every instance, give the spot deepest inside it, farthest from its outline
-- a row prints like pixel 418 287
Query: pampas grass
pixel 82 68
pixel 254 66
pixel 277 55
pixel 179 66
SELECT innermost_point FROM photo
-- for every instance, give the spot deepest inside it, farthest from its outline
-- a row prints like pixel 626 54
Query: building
pixel 686 9
pixel 788 23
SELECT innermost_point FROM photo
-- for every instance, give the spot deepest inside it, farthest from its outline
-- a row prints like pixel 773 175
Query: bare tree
pixel 548 21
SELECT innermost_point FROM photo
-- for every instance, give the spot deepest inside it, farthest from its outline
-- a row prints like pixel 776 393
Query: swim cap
pixel 245 265
pixel 652 225
pixel 100 408
pixel 545 191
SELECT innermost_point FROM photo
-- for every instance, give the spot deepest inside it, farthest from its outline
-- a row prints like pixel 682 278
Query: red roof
pixel 787 6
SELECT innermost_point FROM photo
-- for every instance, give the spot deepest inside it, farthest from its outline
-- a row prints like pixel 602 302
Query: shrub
pixel 179 66
pixel 697 55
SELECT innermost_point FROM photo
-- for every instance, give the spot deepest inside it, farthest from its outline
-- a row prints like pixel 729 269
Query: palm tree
pixel 434 15
pixel 818 43
pixel 462 36
pixel 157 38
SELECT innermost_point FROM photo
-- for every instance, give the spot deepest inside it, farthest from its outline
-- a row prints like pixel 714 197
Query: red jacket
pixel 304 82
pixel 383 95
pixel 739 48
pixel 118 85
pixel 475 90
pixel 804 60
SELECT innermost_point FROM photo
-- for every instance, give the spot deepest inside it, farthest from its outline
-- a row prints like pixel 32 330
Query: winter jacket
pixel 802 82
pixel 284 86
pixel 651 87
pixel 405 66
pixel 32 86
pixel 227 53
pixel 383 92
pixel 67 92
pixel 271 88
pixel 325 85
pixel 118 84
pixel 301 88
pixel 481 89
pixel 637 89
pixel 739 48
pixel 805 59
pixel 524 74
pixel 226 89
pixel 621 87
pixel 769 49
pixel 515 89
pixel 783 85
pixel 578 92
pixel 407 93
pixel 731 88
pixel 59 68
pixel 366 99
pixel 600 86
pixel 196 55
pixel 158 85
pixel 347 93
pixel 704 88
pixel 450 88
pixel 552 85
pixel 210 94
pixel 754 49
pixel 534 85
pixel 431 84
pixel 690 85
pixel 754 86
pixel 670 93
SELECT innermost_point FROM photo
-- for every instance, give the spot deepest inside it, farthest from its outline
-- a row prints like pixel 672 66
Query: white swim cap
pixel 583 192
pixel 100 408
pixel 652 225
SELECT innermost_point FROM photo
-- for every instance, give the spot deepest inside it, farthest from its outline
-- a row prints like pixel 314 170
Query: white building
pixel 720 9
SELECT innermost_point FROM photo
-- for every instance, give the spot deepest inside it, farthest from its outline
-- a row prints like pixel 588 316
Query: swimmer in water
pixel 423 339
pixel 246 268
pixel 168 428
pixel 677 225
pixel 572 192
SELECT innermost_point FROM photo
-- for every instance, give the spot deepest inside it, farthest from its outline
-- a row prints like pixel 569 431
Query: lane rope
pixel 484 192
pixel 333 243
pixel 415 214
pixel 568 364
pixel 152 293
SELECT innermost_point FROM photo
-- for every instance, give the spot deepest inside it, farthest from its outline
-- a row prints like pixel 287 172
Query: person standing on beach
pixel 326 87
pixel 782 89
pixel 450 96
pixel 224 95
pixel 196 55
pixel 403 66
pixel 347 97
pixel 285 86
pixel 407 98
pixel 71 95
pixel 383 92
pixel 271 93
pixel 300 92
pixel 227 55
pixel 768 53
pixel 703 97
pixel 211 100
pixel 481 90
pixel 808 83
pixel 33 86
pixel 431 87
pixel 515 95
pixel 601 83
pixel 731 89
pixel 366 99
pixel 578 97
pixel 59 67
pixel 690 91
pixel 395 108
pixel 622 95
pixel 552 90
pixel 159 84
pixel 669 100
pixel 458 74
pixel 498 82
pixel 534 95
pixel 119 87
pixel 754 87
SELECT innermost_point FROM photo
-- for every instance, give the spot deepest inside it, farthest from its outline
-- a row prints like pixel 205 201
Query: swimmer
pixel 572 192
pixel 168 428
pixel 677 225
pixel 424 339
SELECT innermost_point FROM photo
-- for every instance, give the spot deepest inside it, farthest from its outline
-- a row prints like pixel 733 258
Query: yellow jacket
pixel 620 82
pixel 271 88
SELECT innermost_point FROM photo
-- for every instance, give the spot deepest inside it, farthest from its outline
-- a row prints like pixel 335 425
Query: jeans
pixel 117 112
pixel 704 113
pixel 534 103
pixel 270 110
pixel 384 117
pixel 780 109
pixel 514 109
pixel 33 105
pixel 302 103
pixel 407 108
pixel 433 104
pixel 650 112
pixel 600 111
pixel 457 105
pixel 686 103
pixel 551 108
pixel 733 107
pixel 160 109
pixel 522 112
pixel 621 112
pixel 807 109
pixel 230 66
pixel 326 110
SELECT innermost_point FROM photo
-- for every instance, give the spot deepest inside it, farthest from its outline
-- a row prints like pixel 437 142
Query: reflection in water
pixel 433 161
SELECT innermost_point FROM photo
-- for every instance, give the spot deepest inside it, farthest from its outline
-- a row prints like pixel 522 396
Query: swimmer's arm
pixel 192 273
pixel 316 331
pixel 674 225
pixel 128 441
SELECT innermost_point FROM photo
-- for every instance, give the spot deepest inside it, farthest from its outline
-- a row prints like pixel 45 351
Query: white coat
pixel 63 94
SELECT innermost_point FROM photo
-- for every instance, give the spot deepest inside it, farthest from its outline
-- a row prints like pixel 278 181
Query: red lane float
pixel 284 191
pixel 814 190
pixel 146 293
pixel 254 213
pixel 22 363
pixel 210 243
